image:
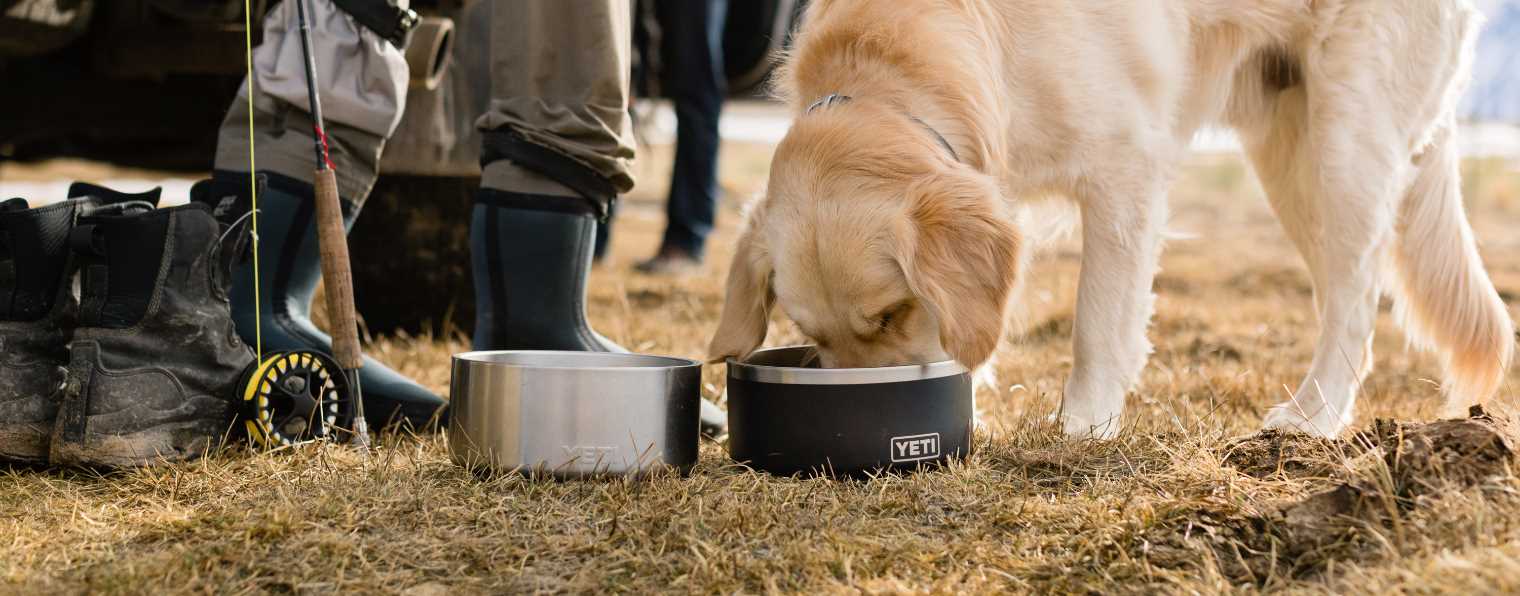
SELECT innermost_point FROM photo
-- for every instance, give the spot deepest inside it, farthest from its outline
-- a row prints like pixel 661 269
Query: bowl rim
pixel 651 362
pixel 796 375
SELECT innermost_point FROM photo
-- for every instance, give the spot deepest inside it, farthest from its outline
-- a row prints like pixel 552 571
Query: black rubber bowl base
pixel 849 430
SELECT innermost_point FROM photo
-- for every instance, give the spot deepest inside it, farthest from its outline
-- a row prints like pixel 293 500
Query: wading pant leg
pixel 557 147
pixel 362 79
pixel 558 124
pixel 556 150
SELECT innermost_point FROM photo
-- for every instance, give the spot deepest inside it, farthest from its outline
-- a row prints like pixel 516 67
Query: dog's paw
pixel 1090 410
pixel 1289 416
pixel 1077 427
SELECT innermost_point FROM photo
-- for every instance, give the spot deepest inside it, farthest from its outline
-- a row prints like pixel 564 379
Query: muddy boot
pixel 36 318
pixel 155 362
pixel 530 269
pixel 289 272
pixel 38 310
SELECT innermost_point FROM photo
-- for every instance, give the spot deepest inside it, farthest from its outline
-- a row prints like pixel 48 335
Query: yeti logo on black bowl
pixel 915 447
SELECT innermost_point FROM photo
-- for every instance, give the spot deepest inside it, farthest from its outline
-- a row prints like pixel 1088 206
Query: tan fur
pixel 885 249
pixel 961 258
pixel 746 312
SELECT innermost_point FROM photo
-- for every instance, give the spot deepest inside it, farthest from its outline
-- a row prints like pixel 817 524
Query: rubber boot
pixel 530 270
pixel 38 312
pixel 154 364
pixel 604 236
pixel 290 270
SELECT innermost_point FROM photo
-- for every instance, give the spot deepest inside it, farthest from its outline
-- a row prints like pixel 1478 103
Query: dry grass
pixel 1171 506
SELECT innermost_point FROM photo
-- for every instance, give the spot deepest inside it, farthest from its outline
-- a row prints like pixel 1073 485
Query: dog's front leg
pixel 1121 239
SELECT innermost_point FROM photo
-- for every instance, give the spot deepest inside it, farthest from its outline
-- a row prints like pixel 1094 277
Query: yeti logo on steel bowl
pixel 589 457
pixel 915 447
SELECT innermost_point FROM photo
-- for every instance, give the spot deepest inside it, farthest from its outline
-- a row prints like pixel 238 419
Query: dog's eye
pixel 886 318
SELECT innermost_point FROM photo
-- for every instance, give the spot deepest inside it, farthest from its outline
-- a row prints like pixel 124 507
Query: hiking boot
pixel 37 314
pixel 154 364
pixel 290 270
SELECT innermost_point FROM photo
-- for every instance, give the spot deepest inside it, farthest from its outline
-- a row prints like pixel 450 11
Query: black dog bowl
pixel 787 416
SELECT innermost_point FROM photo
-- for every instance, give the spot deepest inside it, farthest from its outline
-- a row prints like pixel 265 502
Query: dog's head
pixel 877 243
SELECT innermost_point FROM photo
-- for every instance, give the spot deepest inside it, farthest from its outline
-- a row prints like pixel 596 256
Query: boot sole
pixel 172 438
pixel 165 443
pixel 24 443
pixel 151 420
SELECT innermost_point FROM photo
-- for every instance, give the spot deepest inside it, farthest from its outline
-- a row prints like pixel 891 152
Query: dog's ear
pixel 961 257
pixel 747 305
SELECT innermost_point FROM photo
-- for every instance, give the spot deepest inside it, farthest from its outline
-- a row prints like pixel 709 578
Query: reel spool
pixel 295 397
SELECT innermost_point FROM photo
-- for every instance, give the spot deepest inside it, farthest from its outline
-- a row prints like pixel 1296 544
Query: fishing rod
pixel 332 243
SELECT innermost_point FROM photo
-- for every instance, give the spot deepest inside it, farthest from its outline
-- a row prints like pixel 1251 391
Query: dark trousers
pixel 691 55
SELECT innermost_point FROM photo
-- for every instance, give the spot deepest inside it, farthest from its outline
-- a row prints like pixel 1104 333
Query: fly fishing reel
pixel 295 397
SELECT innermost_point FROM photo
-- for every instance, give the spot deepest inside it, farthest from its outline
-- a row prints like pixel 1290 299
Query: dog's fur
pixel 886 248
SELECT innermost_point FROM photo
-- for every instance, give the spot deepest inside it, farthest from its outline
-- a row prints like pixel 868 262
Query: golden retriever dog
pixel 890 231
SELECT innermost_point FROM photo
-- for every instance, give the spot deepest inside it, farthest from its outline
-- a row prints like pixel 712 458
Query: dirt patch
pixel 1272 453
pixel 1426 458
pixel 1392 474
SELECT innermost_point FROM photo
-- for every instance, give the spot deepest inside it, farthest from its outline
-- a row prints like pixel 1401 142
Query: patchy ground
pixel 1189 499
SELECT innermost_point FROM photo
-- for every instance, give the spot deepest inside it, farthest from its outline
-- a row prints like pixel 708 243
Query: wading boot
pixel 38 310
pixel 154 364
pixel 290 270
pixel 530 269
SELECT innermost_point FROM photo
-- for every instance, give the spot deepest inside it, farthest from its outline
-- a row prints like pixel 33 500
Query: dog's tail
pixel 1443 296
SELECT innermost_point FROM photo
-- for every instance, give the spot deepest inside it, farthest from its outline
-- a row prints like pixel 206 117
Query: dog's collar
pixel 835 98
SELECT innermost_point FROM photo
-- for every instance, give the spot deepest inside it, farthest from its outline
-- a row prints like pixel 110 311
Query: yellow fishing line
pixel 253 185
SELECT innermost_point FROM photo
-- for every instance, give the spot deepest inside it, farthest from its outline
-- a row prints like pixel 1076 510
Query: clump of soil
pixel 1272 452
pixel 1398 468
pixel 1426 458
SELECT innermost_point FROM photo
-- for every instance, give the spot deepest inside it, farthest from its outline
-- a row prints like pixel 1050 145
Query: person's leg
pixel 557 149
pixel 692 52
pixel 557 124
pixel 363 84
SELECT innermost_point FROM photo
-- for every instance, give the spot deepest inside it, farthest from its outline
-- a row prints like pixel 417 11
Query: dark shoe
pixel 154 364
pixel 290 269
pixel 38 311
pixel 530 270
pixel 670 261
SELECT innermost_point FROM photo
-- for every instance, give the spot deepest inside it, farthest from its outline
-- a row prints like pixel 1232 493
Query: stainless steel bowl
pixel 787 416
pixel 573 414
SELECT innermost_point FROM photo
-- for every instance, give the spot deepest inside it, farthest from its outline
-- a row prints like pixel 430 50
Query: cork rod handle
pixel 337 277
